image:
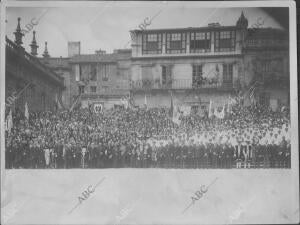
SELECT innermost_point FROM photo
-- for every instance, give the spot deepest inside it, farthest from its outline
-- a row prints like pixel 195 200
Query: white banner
pixel 98 107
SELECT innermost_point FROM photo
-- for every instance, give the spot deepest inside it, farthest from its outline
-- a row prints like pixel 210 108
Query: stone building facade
pixel 62 67
pixel 100 78
pixel 266 61
pixel 28 79
pixel 207 63
pixel 193 65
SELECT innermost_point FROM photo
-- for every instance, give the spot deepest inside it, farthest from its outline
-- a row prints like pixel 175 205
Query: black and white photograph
pixel 162 112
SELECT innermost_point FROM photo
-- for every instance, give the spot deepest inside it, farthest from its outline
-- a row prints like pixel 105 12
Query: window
pixel 93 73
pixel 227 73
pixel 80 72
pixel 105 72
pixel 264 98
pixel 204 107
pixel 224 41
pixel 152 44
pixel 266 66
pixel 43 101
pixel 31 92
pixel 197 78
pixel 85 72
pixel 166 75
pixel 252 42
pixel 81 89
pixel 105 88
pixel 93 89
pixel 200 42
pixel 194 109
pixel 176 43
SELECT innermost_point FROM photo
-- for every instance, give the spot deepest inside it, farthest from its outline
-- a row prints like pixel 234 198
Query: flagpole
pixel 18 95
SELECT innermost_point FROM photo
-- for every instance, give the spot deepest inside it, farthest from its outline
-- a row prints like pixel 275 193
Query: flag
pixel 125 101
pixel 131 103
pixel 75 102
pixel 222 114
pixel 26 111
pixel 176 115
pixel 172 107
pixel 210 113
pixel 186 110
pixel 145 101
pixel 90 107
pixel 216 113
pixel 9 121
pixel 231 102
pixel 59 102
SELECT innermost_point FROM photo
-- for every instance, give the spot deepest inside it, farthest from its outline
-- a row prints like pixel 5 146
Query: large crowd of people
pixel 248 137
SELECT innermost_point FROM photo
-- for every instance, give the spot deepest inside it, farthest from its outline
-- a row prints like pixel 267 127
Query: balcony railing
pixel 176 84
pixel 106 92
pixel 259 43
pixel 271 79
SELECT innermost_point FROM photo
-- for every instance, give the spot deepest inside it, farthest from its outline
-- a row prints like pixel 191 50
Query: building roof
pixel 185 29
pixel 104 58
pixel 46 71
pixel 56 62
pixel 267 33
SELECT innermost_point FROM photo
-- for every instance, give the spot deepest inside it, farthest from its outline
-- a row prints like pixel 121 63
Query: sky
pixel 107 25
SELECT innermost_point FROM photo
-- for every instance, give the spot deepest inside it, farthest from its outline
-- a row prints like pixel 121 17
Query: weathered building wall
pixel 22 69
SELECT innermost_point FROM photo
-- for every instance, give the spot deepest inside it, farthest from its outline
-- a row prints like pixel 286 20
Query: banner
pixel 125 102
pixel 186 110
pixel 98 107
pixel 274 104
pixel 145 102
pixel 26 111
pixel 175 116
pixel 9 122
pixel 171 111
pixel 210 113
pixel 220 115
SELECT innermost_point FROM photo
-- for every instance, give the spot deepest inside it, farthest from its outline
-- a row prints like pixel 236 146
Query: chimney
pixel 34 45
pixel 18 34
pixel 73 48
pixel 100 52
pixel 214 25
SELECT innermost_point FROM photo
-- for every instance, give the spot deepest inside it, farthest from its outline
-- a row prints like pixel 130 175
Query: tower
pixel 46 54
pixel 242 22
pixel 34 45
pixel 242 25
pixel 18 34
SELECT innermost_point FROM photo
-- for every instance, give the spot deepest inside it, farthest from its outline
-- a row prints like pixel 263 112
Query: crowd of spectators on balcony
pixel 253 137
pixel 197 82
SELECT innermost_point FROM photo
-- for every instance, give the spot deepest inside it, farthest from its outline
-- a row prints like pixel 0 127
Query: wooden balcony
pixel 179 84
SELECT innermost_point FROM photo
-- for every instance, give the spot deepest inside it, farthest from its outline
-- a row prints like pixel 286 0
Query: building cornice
pixel 170 57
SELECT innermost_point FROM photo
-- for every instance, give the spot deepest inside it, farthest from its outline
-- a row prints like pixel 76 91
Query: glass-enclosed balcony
pixel 179 84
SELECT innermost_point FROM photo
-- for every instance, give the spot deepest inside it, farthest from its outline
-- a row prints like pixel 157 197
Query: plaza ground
pixel 150 196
